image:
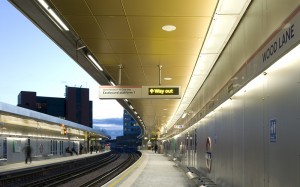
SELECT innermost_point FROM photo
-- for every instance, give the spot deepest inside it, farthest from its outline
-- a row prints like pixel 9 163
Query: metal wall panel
pixel 238 142
pixel 253 137
pixel 244 151
pixel 275 12
pixel 223 152
pixel 282 94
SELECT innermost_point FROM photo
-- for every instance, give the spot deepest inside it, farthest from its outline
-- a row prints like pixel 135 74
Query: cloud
pixel 111 126
pixel 64 82
pixel 117 121
pixel 105 108
pixel 108 127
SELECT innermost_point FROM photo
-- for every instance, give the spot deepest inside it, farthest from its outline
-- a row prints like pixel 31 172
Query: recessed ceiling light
pixel 165 109
pixel 168 28
pixel 167 78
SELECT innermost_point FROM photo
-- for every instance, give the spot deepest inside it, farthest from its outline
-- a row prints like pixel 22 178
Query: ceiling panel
pixel 170 7
pixel 98 46
pixel 168 61
pixel 114 27
pixel 108 59
pixel 178 71
pixel 85 26
pixel 106 7
pixel 168 46
pixel 129 61
pixel 123 46
pixel 186 27
pixel 72 7
pixel 129 32
pixel 136 75
pixel 182 60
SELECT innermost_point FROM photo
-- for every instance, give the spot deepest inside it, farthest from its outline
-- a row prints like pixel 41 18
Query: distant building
pixel 74 107
pixel 130 126
pixel 129 142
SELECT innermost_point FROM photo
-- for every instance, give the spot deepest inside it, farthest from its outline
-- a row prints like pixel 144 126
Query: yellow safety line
pixel 127 172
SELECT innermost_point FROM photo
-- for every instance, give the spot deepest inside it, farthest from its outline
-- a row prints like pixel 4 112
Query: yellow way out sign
pixel 139 92
pixel 163 91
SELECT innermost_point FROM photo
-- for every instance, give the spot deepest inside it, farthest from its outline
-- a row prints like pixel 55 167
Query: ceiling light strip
pixel 94 61
pixel 57 20
pixel 112 83
pixel 214 44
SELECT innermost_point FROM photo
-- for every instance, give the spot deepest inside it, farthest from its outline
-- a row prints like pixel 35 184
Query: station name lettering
pixel 282 40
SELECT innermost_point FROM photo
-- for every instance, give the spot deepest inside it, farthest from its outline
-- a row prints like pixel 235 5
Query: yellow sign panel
pixel 163 91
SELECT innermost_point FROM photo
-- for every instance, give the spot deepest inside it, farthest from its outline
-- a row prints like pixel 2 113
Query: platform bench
pixel 194 174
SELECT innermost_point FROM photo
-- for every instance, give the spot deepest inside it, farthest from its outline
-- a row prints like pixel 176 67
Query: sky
pixel 30 61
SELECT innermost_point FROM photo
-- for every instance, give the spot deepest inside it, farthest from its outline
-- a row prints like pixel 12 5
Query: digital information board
pixel 139 92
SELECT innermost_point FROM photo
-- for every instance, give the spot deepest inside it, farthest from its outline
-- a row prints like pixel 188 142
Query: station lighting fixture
pixel 94 61
pixel 112 83
pixel 135 112
pixel 168 28
pixel 53 15
pixel 183 115
pixel 130 106
pixel 227 16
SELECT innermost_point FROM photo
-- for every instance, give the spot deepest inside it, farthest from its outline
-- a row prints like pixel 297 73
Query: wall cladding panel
pixel 253 134
pixel 224 152
pixel 242 153
pixel 282 94
pixel 238 141
pixel 275 12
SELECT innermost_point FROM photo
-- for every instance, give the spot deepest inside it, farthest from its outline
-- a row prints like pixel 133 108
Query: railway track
pixel 93 174
pixel 114 171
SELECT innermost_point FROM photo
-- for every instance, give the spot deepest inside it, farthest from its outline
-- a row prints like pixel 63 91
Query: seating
pixel 3 161
pixel 200 178
pixel 42 157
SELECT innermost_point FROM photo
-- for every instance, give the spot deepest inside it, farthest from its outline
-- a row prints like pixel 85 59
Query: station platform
pixel 152 169
pixel 21 166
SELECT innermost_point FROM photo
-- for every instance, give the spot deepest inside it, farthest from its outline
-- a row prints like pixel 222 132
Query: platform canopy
pixel 152 43
pixel 22 122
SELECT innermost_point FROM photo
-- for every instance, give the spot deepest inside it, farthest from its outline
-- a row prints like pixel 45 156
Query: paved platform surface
pixel 152 170
pixel 38 163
